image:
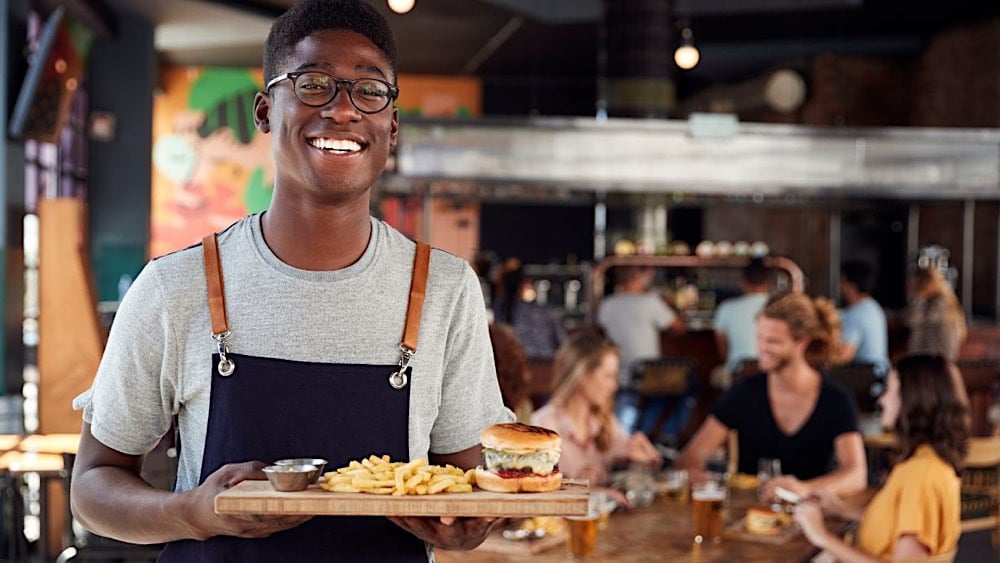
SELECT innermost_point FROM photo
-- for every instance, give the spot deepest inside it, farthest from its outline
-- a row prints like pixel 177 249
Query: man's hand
pixel 786 482
pixel 448 532
pixel 205 523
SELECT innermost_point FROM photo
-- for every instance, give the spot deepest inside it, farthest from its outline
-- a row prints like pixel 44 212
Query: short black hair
pixel 309 16
pixel 756 273
pixel 860 274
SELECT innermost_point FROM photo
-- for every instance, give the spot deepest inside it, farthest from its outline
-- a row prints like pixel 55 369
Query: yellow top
pixel 922 496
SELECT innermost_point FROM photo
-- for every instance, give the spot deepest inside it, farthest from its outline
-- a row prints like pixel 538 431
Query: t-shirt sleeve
pixel 918 514
pixel 662 312
pixel 132 399
pixel 619 440
pixel 721 321
pixel 470 392
pixel 850 332
pixel 844 412
pixel 727 408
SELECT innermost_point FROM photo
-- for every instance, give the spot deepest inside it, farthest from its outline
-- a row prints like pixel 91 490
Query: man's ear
pixel 394 129
pixel 262 112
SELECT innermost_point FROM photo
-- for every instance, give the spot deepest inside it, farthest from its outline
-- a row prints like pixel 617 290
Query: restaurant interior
pixel 564 139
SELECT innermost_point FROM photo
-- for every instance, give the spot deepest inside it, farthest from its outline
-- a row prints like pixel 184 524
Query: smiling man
pixel 310 330
pixel 790 412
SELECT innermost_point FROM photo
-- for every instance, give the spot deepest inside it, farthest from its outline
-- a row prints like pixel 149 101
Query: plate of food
pixel 519 479
pixel 764 524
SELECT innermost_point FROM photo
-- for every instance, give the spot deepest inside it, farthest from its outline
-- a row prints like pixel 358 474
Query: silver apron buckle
pixel 226 366
pixel 401 377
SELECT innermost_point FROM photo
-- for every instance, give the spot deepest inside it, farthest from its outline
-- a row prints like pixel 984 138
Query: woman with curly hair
pixel 581 411
pixel 790 412
pixel 934 316
pixel 917 513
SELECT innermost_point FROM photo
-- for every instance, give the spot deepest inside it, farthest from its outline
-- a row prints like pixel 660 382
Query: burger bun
pixel 489 481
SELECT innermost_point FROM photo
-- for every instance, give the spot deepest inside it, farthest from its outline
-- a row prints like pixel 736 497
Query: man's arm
pixel 845 352
pixel 110 498
pixel 722 345
pixel 466 459
pixel 850 476
pixel 710 436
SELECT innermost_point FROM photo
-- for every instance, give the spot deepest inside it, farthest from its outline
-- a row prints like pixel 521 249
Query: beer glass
pixel 767 468
pixel 706 506
pixel 675 485
pixel 582 538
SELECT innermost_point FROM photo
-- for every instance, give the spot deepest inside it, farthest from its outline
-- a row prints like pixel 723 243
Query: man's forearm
pixel 844 481
pixel 112 502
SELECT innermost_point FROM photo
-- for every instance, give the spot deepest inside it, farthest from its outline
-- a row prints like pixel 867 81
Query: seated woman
pixel 581 411
pixel 917 513
pixel 790 412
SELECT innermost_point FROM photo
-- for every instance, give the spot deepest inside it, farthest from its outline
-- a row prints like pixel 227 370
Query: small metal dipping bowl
pixel 319 463
pixel 287 478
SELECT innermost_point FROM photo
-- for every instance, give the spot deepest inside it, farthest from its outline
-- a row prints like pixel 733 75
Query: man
pixel 735 322
pixel 306 309
pixel 633 318
pixel 790 413
pixel 864 337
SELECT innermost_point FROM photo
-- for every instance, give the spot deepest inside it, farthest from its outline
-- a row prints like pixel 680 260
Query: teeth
pixel 339 145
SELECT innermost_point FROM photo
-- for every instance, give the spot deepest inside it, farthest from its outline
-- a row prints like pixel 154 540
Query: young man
pixel 791 412
pixel 287 340
pixel 864 337
pixel 633 318
pixel 735 322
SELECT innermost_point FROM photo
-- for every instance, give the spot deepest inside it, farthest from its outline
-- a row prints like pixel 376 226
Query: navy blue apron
pixel 268 409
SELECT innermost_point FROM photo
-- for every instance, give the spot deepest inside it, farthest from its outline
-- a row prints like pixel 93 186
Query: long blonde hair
pixel 931 282
pixel 579 355
pixel 813 319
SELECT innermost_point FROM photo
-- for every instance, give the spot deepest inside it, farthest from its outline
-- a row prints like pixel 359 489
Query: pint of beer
pixel 706 503
pixel 582 538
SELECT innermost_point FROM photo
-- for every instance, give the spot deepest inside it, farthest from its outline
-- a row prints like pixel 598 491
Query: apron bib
pixel 269 409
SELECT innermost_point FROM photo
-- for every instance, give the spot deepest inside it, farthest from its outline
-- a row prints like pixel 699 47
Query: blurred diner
pixel 916 514
pixel 593 441
pixel 735 322
pixel 933 315
pixel 791 412
pixel 512 370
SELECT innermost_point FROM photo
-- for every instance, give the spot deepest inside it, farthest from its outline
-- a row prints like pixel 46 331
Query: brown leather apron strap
pixel 213 278
pixel 418 289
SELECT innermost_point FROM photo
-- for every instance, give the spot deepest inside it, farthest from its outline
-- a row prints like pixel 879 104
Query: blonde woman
pixel 581 411
pixel 934 316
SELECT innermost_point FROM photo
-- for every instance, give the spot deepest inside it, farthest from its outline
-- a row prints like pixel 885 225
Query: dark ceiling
pixel 538 54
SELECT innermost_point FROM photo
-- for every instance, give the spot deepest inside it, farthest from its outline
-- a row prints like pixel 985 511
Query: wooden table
pixel 663 532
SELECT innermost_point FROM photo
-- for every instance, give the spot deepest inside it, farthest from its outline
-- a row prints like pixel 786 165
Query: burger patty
pixel 540 462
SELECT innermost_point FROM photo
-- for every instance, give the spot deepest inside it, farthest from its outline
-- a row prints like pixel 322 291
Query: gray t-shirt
pixel 634 322
pixel 157 360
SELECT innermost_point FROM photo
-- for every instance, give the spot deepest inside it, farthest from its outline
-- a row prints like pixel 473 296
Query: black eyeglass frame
pixel 294 76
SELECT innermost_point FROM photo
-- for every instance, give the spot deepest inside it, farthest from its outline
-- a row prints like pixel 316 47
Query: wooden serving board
pixel 738 531
pixel 258 497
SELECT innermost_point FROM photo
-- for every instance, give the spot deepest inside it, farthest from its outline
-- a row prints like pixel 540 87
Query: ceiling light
pixel 401 6
pixel 687 56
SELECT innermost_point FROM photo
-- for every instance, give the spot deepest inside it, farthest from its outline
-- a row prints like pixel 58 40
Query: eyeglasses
pixel 315 89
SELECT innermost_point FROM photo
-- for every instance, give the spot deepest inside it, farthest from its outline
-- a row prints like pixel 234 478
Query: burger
pixel 764 521
pixel 519 458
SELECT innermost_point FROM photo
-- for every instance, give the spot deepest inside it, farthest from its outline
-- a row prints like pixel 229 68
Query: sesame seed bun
pixel 516 436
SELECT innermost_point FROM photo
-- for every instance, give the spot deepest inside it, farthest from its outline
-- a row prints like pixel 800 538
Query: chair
pixel 862 380
pixel 665 378
pixel 981 487
pixel 981 378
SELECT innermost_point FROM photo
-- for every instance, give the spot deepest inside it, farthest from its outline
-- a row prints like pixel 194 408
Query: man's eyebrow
pixel 360 68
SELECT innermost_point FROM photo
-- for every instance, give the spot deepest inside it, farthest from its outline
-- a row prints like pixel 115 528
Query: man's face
pixel 303 169
pixel 775 346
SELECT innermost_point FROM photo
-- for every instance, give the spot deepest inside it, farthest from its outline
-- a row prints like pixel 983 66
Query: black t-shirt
pixel 806 454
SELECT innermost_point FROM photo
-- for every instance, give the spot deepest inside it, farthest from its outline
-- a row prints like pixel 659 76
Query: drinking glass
pixel 706 508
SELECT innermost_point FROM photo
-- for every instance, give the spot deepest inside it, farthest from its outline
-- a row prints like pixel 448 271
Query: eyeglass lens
pixel 368 95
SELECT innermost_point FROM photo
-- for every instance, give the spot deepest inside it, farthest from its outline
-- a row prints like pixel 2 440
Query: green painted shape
pixel 258 195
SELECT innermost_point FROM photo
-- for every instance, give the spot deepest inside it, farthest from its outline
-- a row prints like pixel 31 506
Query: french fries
pixel 380 476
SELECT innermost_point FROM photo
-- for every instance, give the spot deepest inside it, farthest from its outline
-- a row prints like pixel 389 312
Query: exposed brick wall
pixel 858 91
pixel 956 81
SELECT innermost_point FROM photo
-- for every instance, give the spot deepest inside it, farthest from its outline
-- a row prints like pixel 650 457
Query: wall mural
pixel 211 165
